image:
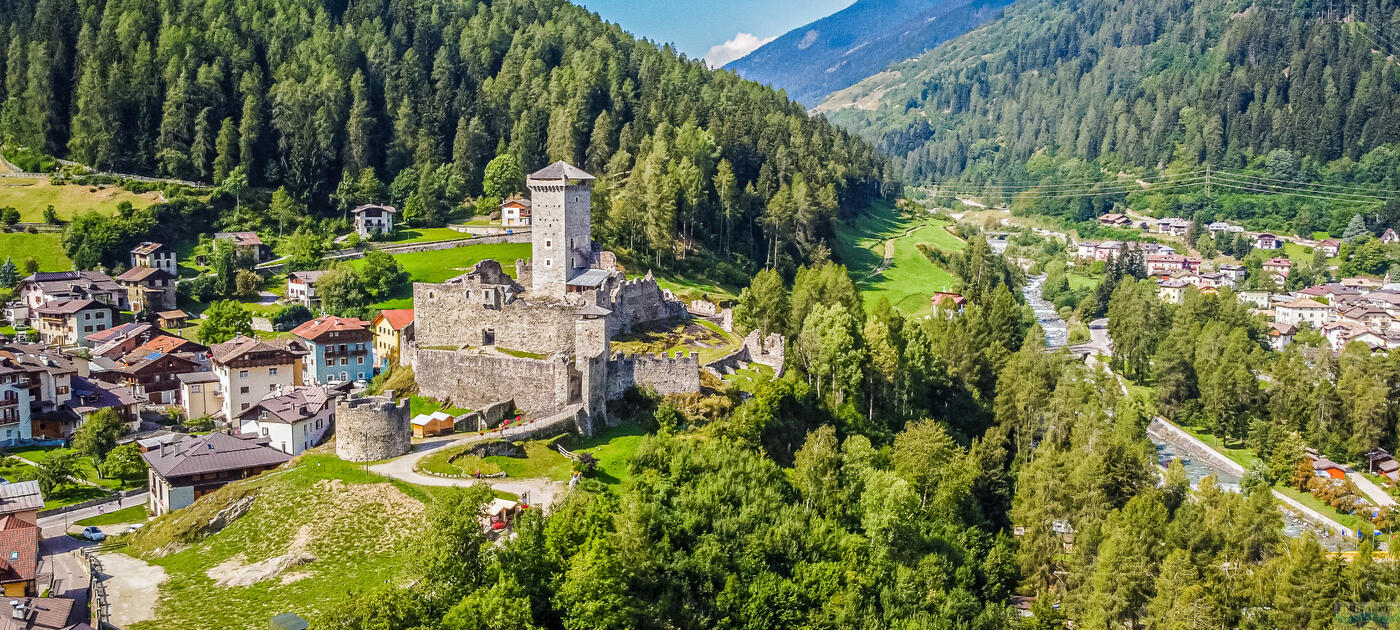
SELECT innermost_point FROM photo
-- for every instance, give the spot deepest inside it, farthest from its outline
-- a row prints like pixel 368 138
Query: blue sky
pixel 718 30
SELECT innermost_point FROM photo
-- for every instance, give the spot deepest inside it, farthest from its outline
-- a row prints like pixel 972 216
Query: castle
pixel 542 338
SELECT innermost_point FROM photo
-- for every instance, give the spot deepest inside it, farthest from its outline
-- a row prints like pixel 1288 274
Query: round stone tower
pixel 371 428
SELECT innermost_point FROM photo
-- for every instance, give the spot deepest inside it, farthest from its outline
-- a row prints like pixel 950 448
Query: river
pixel 1056 331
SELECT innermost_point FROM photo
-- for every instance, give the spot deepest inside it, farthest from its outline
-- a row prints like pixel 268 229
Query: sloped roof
pixel 19 549
pixel 213 453
pixel 147 248
pixel 175 314
pixel 141 274
pixel 119 332
pixel 561 170
pixel 423 419
pixel 68 307
pixel 315 328
pixel 241 239
pixel 290 407
pixel 1303 302
pixel 361 208
pixel 20 496
pixel 397 317
pixel 42 613
pixel 309 277
pixel 241 345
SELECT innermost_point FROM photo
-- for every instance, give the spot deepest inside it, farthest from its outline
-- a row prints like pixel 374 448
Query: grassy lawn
pixel 749 378
pixel 612 448
pixel 1306 498
pixel 342 530
pixel 418 405
pixel 1083 282
pixel 911 277
pixel 1237 453
pixel 133 514
pixel 32 196
pixel 45 247
pixel 705 338
pixel 426 235
pixel 689 288
pixel 436 266
pixel 520 353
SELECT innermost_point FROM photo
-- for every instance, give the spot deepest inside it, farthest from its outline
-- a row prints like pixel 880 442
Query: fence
pixel 99 606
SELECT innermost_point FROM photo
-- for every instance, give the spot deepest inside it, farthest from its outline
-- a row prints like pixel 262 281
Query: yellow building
pixel 392 329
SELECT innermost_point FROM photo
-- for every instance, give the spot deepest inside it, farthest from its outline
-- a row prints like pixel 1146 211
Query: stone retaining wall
pixel 679 374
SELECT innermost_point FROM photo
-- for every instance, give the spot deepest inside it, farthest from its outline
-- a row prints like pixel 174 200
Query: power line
pixel 1080 183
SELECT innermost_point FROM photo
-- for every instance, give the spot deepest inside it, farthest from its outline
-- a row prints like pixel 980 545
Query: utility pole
pixel 1207 180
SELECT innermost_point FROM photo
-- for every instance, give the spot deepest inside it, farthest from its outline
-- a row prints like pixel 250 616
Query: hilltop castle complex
pixel 542 337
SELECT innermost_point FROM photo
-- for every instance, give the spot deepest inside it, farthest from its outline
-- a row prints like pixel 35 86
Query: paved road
pixel 56 525
pixel 59 556
pixel 539 492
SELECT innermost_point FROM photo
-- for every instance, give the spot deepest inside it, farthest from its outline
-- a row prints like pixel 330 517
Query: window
pixel 243 374
pixel 62 390
pixel 546 262
pixel 548 243
pixel 271 388
pixel 272 371
pixel 264 431
pixel 360 360
pixel 87 329
pixel 243 390
pixel 195 388
pixel 245 405
pixel 344 361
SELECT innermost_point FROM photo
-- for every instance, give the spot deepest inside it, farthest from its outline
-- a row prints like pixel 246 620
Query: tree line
pixel 410 101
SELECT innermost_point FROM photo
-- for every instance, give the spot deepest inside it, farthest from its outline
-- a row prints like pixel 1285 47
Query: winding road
pixel 535 491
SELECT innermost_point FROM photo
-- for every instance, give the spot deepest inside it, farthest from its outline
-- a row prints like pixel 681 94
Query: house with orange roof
pixel 339 349
pixel 19 556
pixel 393 330
pixel 155 367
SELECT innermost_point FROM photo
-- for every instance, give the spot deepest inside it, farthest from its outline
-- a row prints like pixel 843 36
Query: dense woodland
pixel 407 102
pixel 878 484
pixel 1096 87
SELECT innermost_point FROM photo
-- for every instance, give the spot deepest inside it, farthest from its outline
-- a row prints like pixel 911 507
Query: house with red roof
pixel 19 555
pixel 393 330
pixel 339 349
pixel 155 367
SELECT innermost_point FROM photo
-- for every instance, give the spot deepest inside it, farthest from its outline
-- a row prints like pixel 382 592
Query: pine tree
pixel 202 146
pixel 90 142
pixel 1356 228
pixel 38 100
pixel 9 275
pixel 250 127
pixel 227 147
pixel 359 129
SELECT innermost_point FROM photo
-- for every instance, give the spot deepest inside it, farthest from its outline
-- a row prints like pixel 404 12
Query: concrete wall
pixel 371 428
pixel 677 374
pixel 476 379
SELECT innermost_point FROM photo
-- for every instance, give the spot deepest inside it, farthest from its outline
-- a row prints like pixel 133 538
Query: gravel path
pixel 535 491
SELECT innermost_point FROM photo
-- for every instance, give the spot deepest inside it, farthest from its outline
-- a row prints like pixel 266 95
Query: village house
pixel 20 503
pixel 515 212
pixel 155 256
pixel 1167 264
pixel 181 472
pixel 1174 226
pixel 47 287
pixel 155 366
pixel 1236 273
pixel 339 349
pixel 200 394
pixel 1265 240
pixel 1367 315
pixel 1279 267
pixel 14 402
pixel 1361 285
pixel 118 340
pixel 1330 247
pixel 175 319
pixel 89 397
pixel 247 244
pixel 293 419
pixel 372 219
pixel 953 301
pixel 148 289
pixel 301 288
pixel 1304 311
pixel 46 379
pixel 1218 226
pixel 248 369
pixel 1389 236
pixel 1257 298
pixel 1281 335
pixel 433 424
pixel 1114 219
pixel 393 331
pixel 1172 291
pixel 1331 292
pixel 70 322
pixel 1339 333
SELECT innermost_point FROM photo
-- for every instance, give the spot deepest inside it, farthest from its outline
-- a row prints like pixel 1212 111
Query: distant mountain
pixel 1141 84
pixel 838 50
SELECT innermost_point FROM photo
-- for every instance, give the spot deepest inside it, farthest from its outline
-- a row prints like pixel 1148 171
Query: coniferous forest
pixel 312 96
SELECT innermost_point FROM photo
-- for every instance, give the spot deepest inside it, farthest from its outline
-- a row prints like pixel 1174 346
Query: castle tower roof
pixel 561 170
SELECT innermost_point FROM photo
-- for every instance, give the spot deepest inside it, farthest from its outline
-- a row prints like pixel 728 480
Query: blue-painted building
pixel 340 349
pixel 14 404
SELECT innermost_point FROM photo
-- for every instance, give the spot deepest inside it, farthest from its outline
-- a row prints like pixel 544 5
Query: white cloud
pixel 742 44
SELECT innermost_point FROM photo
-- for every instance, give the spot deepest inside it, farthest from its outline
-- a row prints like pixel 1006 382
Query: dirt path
pixel 132 588
pixel 889 252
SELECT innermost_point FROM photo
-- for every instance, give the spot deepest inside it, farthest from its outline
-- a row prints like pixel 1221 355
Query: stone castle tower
pixel 371 428
pixel 562 238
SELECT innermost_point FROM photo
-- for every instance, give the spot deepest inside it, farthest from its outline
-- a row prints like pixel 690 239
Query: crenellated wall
pixel 372 428
pixel 667 374
pixel 638 302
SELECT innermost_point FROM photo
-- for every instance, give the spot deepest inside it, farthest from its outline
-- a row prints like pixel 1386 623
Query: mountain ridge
pixel 839 50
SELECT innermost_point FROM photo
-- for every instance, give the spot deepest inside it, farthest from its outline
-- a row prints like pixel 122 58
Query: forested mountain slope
pixel 1213 82
pixel 305 94
pixel 836 51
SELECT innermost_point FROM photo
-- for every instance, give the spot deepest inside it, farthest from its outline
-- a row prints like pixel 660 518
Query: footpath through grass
pixel 911 277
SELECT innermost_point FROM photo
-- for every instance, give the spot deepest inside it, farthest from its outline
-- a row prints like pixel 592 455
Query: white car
pixel 93 533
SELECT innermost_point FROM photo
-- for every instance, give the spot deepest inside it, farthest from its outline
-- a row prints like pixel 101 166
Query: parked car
pixel 134 526
pixel 94 533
